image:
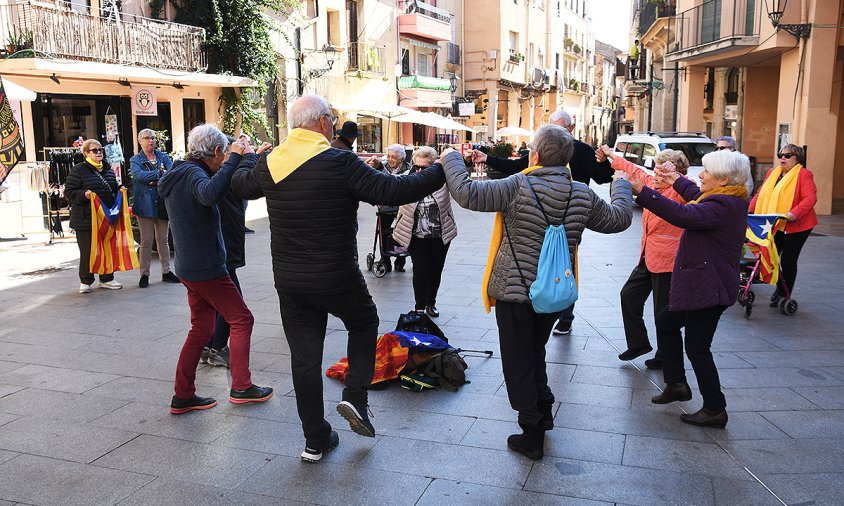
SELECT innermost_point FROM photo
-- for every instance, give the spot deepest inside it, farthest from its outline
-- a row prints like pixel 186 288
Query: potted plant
pixel 576 48
pixel 569 43
pixel 13 41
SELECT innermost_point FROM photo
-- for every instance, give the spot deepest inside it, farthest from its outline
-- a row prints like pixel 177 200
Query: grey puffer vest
pixel 525 224
pixel 403 231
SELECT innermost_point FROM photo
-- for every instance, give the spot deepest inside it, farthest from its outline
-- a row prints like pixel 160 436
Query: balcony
pixel 713 28
pixel 367 58
pixel 30 29
pixel 650 13
pixel 424 91
pixel 425 21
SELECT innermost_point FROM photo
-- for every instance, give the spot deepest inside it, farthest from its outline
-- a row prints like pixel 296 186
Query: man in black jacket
pixel 584 167
pixel 313 192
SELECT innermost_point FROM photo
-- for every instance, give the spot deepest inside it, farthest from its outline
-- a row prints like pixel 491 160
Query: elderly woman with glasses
pixel 705 278
pixel 147 168
pixel 90 177
pixel 396 165
pixel 527 203
pixel 788 189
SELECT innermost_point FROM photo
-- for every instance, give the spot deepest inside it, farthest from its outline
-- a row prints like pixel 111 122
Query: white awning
pixel 15 91
pixel 433 120
pixel 384 111
pixel 513 131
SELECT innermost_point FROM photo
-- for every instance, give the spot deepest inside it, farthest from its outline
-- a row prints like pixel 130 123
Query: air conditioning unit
pixel 538 75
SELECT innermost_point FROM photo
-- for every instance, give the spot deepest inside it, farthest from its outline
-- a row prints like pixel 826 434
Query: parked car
pixel 641 148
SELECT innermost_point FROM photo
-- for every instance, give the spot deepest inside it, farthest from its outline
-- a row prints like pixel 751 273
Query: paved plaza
pixel 85 382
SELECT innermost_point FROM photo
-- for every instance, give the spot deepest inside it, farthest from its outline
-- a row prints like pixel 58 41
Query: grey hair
pixel 554 145
pixel 203 141
pixel 397 149
pixel 561 118
pixel 678 158
pixel 729 140
pixel 801 155
pixel 425 152
pixel 732 165
pixel 146 131
pixel 308 109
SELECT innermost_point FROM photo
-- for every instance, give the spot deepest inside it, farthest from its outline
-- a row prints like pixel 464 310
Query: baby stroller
pixel 389 247
pixel 761 228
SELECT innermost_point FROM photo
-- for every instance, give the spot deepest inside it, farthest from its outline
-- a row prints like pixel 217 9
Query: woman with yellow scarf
pixel 789 189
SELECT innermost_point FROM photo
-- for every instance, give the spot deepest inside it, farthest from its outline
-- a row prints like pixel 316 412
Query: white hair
pixel 554 145
pixel 425 152
pixel 399 150
pixel 561 118
pixel 146 132
pixel 732 165
pixel 308 109
pixel 204 140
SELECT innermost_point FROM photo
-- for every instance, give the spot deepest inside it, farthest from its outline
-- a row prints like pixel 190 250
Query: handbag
pixel 555 286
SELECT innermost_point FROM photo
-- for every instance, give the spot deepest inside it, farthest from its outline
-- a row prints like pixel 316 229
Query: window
pixel 312 9
pixel 423 67
pixel 194 113
pixel 333 22
pixel 530 54
pixel 633 152
pixel 557 61
pixel 694 151
pixel 514 42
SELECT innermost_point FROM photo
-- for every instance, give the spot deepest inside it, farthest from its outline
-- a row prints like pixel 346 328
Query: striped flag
pixel 760 234
pixel 112 241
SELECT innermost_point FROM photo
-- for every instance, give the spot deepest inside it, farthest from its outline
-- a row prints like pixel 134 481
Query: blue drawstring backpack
pixel 555 287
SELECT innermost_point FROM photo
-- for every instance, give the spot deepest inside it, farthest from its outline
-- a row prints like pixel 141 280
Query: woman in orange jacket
pixel 789 189
pixel 660 241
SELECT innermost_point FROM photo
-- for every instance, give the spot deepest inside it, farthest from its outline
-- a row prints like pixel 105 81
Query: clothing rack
pixel 59 161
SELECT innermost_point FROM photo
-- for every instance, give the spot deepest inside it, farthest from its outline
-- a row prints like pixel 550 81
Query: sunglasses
pixel 719 148
pixel 96 150
pixel 786 155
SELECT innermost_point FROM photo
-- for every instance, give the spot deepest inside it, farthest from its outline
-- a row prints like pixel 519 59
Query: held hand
pixel 248 149
pixel 373 162
pixel 600 157
pixel 607 151
pixel 636 184
pixel 238 147
pixel 790 216
pixel 478 156
pixel 88 194
pixel 619 174
pixel 263 148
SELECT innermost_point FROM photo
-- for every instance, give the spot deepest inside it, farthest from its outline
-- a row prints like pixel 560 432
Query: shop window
pixel 371 140
pixel 67 119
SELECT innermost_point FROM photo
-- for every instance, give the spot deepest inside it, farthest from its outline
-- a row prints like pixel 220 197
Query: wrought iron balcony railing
pixel 651 12
pixel 32 28
pixel 714 21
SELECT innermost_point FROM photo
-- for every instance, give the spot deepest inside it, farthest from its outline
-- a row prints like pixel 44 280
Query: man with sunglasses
pixel 727 143
pixel 313 192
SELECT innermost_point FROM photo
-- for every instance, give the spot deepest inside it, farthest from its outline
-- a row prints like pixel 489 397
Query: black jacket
pixel 84 177
pixel 233 219
pixel 313 215
pixel 583 165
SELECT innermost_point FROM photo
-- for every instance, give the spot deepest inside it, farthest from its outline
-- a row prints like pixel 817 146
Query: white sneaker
pixel 83 288
pixel 111 285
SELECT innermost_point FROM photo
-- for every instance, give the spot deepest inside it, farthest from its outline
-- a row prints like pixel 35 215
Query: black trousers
pixel 635 292
pixel 304 318
pixel 83 241
pixel 788 248
pixel 522 335
pixel 221 326
pixel 428 257
pixel 700 329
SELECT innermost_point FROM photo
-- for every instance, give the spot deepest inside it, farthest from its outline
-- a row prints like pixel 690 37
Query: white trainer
pixel 83 288
pixel 111 285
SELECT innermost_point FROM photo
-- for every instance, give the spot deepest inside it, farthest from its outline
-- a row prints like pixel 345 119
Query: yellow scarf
pixel 98 165
pixel 735 190
pixel 494 245
pixel 777 198
pixel 299 147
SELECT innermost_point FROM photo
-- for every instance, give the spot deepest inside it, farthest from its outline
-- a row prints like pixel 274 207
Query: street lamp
pixel 776 9
pixel 330 53
pixel 452 79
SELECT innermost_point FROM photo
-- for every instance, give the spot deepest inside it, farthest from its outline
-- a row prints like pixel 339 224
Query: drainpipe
pixel 676 93
pixel 797 109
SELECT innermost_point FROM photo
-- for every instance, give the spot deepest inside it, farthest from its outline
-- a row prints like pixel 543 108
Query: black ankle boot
pixel 673 392
pixel 546 409
pixel 530 442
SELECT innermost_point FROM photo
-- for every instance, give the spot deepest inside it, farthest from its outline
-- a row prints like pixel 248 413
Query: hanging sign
pixel 111 127
pixel 144 102
pixel 466 108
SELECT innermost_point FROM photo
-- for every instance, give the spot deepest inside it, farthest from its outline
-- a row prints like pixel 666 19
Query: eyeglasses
pixel 332 119
pixel 530 147
pixel 786 155
pixel 147 137
pixel 719 148
pixel 96 150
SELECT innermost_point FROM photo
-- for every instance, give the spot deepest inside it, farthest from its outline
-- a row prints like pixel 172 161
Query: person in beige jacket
pixel 426 228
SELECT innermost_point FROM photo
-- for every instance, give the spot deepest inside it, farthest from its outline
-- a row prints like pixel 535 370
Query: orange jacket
pixel 660 239
pixel 803 206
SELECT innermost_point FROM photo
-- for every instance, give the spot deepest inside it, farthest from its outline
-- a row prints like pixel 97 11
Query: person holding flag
pixel 788 189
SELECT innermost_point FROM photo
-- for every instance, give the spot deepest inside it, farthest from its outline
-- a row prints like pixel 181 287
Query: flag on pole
pixel 760 234
pixel 112 241
pixel 11 147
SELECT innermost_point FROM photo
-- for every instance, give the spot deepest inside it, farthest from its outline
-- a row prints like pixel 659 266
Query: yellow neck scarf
pixel 735 190
pixel 299 147
pixel 98 165
pixel 777 198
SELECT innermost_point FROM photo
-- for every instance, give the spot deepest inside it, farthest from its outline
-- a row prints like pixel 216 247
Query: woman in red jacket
pixel 789 189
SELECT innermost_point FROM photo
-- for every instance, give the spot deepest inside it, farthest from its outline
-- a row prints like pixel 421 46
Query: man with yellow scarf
pixel 789 189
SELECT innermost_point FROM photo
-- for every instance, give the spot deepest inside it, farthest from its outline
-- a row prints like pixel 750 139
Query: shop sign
pixel 473 94
pixel 144 102
pixel 481 129
pixel 731 112
pixel 466 109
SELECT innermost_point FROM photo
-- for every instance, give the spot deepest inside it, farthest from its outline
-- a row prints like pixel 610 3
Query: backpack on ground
pixel 449 369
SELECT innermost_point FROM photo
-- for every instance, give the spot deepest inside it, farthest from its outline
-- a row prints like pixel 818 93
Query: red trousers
pixel 206 299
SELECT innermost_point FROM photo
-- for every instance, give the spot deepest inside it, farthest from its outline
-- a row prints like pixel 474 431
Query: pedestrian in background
pixel 397 166
pixel 346 136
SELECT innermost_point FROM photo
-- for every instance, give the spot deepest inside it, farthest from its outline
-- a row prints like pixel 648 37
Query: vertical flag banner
pixel 112 241
pixel 11 147
pixel 760 234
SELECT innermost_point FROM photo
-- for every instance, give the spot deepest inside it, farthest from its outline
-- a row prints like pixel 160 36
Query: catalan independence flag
pixel 112 241
pixel 760 234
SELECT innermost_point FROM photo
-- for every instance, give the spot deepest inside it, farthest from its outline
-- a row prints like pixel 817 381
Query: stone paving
pixel 85 381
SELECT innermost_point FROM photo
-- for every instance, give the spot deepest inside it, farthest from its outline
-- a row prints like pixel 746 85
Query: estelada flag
pixel 112 241
pixel 11 146
pixel 760 234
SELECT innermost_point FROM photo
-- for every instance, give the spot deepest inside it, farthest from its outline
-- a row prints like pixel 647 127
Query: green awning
pixel 424 82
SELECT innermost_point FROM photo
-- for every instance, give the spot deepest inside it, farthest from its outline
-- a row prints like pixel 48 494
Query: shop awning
pixel 383 111
pixel 15 91
pixel 513 131
pixel 433 120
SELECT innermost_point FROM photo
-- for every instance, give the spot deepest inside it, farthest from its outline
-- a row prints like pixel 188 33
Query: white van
pixel 641 148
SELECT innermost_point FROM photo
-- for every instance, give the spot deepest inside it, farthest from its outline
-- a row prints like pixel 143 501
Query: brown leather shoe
pixel 673 392
pixel 706 418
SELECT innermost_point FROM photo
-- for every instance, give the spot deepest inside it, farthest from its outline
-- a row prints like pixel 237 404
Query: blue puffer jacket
pixel 145 174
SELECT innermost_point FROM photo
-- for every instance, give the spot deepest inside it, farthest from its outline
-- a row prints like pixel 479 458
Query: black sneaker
pixel 203 359
pixel 251 394
pixel 562 328
pixel 144 282
pixel 169 277
pixel 219 358
pixel 181 406
pixel 654 363
pixel 313 456
pixel 432 311
pixel 247 230
pixel 357 417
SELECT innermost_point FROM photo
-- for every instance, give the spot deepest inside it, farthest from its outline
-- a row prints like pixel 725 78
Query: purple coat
pixel 706 269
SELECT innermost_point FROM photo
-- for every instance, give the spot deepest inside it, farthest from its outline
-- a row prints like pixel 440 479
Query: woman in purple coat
pixel 705 279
